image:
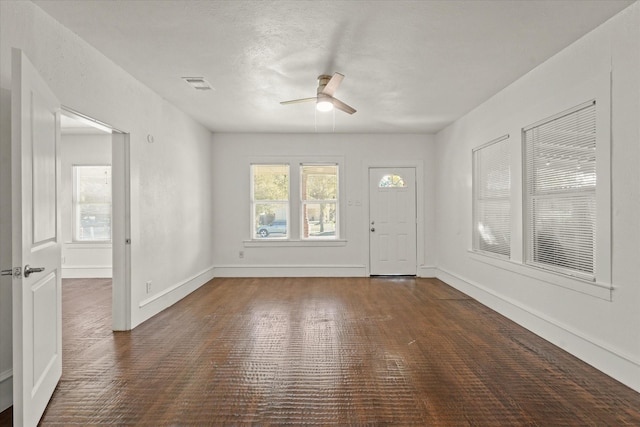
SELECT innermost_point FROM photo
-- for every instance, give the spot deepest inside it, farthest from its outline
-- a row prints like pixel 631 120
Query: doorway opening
pixel 94 207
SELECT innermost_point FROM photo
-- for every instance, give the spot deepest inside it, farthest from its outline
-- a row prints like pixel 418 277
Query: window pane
pixel 493 228
pixel 492 203
pixel 319 182
pixel 271 220
pixel 392 181
pixel 92 203
pixel 270 182
pixel 562 153
pixel 564 231
pixel 319 219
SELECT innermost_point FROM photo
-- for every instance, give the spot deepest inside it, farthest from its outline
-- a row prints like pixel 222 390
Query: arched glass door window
pixel 392 181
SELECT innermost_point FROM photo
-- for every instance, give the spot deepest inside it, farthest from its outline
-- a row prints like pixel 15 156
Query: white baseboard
pixel 619 366
pixel 181 289
pixel 427 271
pixel 153 305
pixel 6 389
pixel 87 272
pixel 290 271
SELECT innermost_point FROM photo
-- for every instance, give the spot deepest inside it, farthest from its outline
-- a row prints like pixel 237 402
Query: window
pixel 319 202
pixel 392 181
pixel 270 201
pixel 492 192
pixel 312 218
pixel 92 203
pixel 560 193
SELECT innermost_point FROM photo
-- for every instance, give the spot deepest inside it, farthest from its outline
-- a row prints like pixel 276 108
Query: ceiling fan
pixel 327 86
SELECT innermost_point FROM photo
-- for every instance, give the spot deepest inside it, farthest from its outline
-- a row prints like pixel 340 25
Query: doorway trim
pixel 418 164
pixel 120 222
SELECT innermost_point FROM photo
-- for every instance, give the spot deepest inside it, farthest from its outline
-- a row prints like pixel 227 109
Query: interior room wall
pixel 604 333
pixel 82 259
pixel 171 206
pixel 232 156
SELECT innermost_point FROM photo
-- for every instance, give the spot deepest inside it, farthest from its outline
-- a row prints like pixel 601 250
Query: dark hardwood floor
pixel 6 418
pixel 316 351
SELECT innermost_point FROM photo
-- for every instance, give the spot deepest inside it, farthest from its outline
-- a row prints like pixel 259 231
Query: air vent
pixel 198 83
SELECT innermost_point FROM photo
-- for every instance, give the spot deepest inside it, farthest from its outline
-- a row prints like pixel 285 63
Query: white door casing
pixel 392 222
pixel 36 231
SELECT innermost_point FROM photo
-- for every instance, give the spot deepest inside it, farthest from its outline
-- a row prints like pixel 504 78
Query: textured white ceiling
pixel 410 66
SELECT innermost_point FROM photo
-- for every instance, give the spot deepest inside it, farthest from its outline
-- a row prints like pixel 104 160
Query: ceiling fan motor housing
pixel 323 79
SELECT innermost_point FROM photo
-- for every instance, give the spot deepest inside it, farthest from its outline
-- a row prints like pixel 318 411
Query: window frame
pixel 304 202
pixel 294 239
pixel 476 197
pixel 75 207
pixel 598 89
pixel 253 202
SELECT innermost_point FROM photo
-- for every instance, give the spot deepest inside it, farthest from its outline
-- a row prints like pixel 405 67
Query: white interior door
pixel 35 174
pixel 392 221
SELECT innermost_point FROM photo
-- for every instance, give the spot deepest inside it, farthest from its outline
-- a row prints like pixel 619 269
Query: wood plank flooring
pixel 322 351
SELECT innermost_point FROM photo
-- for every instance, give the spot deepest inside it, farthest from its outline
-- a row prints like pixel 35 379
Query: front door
pixel 392 221
pixel 35 175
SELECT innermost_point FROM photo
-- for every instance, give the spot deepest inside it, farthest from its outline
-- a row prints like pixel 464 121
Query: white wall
pixel 604 333
pixel 82 259
pixel 171 206
pixel 232 155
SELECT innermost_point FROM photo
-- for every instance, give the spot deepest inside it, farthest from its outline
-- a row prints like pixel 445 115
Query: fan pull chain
pixel 334 120
pixel 315 120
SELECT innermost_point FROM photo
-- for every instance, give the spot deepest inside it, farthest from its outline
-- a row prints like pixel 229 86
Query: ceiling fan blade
pixel 297 101
pixel 333 84
pixel 342 106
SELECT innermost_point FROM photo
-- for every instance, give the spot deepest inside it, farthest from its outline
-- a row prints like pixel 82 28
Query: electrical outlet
pixel 148 286
pixel 241 254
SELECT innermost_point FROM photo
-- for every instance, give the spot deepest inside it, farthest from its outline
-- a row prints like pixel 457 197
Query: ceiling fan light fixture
pixel 324 105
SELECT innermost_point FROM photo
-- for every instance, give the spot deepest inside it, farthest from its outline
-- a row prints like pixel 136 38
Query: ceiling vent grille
pixel 198 83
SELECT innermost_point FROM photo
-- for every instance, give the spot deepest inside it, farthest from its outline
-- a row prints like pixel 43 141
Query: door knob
pixel 373 229
pixel 28 270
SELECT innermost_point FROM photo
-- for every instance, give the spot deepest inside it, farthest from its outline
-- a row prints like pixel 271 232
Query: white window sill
pixel 283 243
pixel 588 287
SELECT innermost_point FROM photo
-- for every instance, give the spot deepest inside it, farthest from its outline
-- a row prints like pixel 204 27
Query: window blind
pixel 560 179
pixel 492 193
